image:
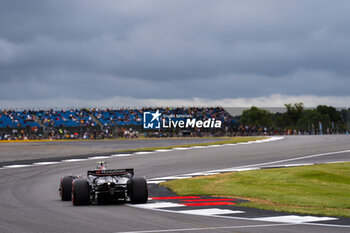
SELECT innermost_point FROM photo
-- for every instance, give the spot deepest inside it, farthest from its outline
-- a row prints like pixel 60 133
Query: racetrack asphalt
pixel 52 150
pixel 30 202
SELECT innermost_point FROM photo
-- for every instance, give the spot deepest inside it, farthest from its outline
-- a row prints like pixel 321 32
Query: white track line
pixel 199 147
pixel 18 166
pixel 155 181
pixel 214 146
pixel 99 157
pixel 298 164
pixel 172 177
pixel 163 150
pixel 121 155
pixel 210 211
pixel 143 152
pixel 45 163
pixel 294 219
pixel 72 160
pixel 133 154
pixel 207 228
pixel 297 158
pixel 286 219
pixel 326 225
pixel 253 219
pixel 158 205
pixel 244 168
pixel 183 148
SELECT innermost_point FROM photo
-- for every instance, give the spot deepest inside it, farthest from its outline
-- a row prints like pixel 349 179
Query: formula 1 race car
pixel 104 185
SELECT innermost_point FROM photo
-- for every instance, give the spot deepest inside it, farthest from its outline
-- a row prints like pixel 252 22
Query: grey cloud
pixel 173 49
pixel 96 87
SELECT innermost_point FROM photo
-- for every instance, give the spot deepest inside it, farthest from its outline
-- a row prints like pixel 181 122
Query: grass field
pixel 318 189
pixel 225 140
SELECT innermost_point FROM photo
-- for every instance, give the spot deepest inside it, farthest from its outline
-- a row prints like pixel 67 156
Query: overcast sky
pixel 133 53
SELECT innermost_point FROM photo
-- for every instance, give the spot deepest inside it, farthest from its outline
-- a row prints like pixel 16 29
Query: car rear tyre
pixel 81 192
pixel 66 188
pixel 139 190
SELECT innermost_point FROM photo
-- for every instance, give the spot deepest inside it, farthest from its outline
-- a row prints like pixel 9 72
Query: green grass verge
pixel 224 140
pixel 318 189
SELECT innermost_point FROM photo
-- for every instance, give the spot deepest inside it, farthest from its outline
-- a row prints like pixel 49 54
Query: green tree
pixel 332 112
pixel 257 116
pixel 345 115
pixel 293 114
pixel 331 117
pixel 310 120
pixel 281 120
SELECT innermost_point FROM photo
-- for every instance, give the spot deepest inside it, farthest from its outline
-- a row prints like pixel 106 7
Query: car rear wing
pixel 111 172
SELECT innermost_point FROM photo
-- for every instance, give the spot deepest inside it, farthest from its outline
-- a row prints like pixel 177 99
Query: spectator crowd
pixel 96 123
pixel 107 123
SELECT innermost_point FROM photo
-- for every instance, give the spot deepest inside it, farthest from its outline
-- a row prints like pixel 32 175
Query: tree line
pixel 322 119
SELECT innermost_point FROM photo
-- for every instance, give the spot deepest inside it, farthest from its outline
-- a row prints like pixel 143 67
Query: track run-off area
pixel 30 202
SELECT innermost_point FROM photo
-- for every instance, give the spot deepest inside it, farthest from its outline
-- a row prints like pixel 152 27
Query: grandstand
pixel 62 118
pixel 96 123
pixel 121 117
pixel 17 119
